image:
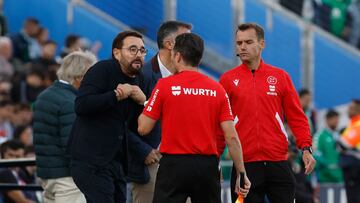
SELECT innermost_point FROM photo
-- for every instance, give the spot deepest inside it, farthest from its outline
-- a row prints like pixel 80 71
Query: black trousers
pixel 352 183
pixel 100 184
pixel 182 176
pixel 273 179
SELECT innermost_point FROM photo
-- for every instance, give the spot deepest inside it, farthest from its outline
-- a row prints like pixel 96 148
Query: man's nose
pixel 243 46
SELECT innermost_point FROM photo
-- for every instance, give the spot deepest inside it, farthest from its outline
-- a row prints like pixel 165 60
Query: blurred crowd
pixel 339 17
pixel 28 65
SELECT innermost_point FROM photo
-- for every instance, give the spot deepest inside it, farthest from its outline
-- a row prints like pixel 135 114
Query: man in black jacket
pixel 144 156
pixel 108 102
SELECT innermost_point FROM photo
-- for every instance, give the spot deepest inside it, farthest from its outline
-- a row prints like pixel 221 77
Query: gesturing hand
pixel 137 95
pixel 123 91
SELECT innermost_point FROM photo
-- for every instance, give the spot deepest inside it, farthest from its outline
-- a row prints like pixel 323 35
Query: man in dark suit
pixel 144 157
pixel 107 104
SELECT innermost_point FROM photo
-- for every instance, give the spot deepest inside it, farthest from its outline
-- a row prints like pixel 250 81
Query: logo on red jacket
pixel 272 80
pixel 236 82
pixel 272 88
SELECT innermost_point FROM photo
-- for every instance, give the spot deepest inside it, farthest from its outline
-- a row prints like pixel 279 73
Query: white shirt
pixel 164 71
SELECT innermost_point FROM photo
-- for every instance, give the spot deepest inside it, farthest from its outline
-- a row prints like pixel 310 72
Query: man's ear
pixel 117 53
pixel 262 44
pixel 178 57
pixel 168 44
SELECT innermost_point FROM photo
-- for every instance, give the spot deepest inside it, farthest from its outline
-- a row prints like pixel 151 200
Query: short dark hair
pixel 50 42
pixel 303 92
pixel 11 144
pixel 18 131
pixel 191 48
pixel 71 39
pixel 258 29
pixel 118 42
pixel 32 20
pixel 356 101
pixel 167 28
pixel 331 113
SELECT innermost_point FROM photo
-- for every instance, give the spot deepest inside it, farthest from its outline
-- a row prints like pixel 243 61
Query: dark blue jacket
pixel 103 125
pixel 53 118
pixel 138 171
pixel 20 47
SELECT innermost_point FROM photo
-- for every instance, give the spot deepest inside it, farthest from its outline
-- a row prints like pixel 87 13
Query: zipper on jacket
pixel 256 109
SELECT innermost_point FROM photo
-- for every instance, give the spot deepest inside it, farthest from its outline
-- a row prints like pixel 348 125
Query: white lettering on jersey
pixel 152 102
pixel 199 91
pixel 272 90
pixel 228 101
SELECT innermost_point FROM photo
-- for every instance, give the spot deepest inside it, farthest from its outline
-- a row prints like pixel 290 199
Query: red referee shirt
pixel 191 107
pixel 261 100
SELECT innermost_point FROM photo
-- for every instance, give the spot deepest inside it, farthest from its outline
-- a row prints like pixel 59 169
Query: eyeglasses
pixel 134 50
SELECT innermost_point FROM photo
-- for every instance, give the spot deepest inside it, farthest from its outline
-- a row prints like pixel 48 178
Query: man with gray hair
pixel 6 69
pixel 53 118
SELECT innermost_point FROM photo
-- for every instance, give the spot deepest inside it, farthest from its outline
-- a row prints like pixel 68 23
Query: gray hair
pixel 75 65
pixel 5 40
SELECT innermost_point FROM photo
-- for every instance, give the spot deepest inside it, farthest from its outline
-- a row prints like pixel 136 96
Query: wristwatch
pixel 308 149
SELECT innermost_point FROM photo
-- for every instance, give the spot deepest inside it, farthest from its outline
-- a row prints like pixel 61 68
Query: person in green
pixel 226 169
pixel 337 15
pixel 326 155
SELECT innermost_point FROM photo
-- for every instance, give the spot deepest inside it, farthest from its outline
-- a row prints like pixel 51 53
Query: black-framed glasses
pixel 134 50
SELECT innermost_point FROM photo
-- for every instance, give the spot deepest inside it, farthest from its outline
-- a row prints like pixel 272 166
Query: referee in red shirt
pixel 192 108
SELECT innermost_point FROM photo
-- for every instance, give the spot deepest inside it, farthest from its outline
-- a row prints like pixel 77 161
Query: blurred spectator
pixel 47 58
pixel 87 45
pixel 54 114
pixel 322 14
pixel 3 24
pixel 6 129
pixel 43 36
pixel 226 170
pixel 338 16
pixel 72 43
pixel 305 100
pixel 50 75
pixel 27 89
pixel 5 88
pixel 326 154
pixel 24 42
pixel 24 134
pixel 354 23
pixel 350 156
pixel 13 150
pixel 6 68
pixel 293 5
pixel 28 174
pixel 22 115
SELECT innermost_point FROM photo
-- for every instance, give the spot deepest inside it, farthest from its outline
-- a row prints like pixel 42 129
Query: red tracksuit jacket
pixel 259 101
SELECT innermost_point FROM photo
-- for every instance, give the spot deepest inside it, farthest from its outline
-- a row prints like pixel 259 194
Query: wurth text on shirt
pixel 177 90
pixel 149 108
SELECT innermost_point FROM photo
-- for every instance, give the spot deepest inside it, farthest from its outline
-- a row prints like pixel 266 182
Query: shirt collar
pixel 65 82
pixel 164 71
pixel 261 64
